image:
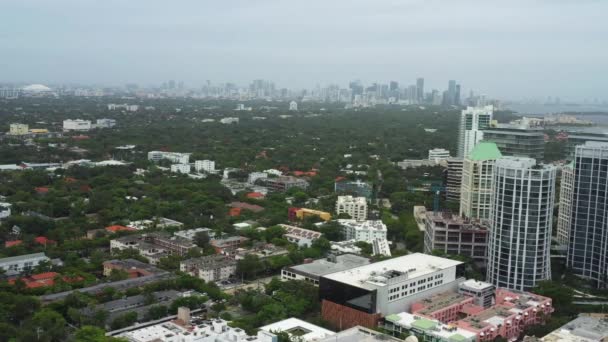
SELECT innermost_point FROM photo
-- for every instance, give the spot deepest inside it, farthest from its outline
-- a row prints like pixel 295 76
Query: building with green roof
pixel 476 188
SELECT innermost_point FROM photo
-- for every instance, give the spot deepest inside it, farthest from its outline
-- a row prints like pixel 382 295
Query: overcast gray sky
pixel 505 48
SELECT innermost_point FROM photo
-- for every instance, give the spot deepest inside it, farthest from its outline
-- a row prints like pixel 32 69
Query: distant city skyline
pixel 506 49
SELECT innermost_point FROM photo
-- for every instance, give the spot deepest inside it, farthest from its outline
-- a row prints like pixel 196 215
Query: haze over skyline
pixel 507 49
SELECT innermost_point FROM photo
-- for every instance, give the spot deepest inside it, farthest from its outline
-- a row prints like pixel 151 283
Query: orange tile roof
pixel 43 240
pixel 119 228
pixel 255 195
pixel 12 243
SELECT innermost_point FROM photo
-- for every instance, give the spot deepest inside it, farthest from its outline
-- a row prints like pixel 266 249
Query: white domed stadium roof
pixel 36 88
pixel 411 339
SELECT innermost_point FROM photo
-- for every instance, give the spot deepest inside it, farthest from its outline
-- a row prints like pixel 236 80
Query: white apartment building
pixel 293 106
pixel 476 187
pixel 213 268
pixel 175 157
pixel 254 176
pixel 367 231
pixel 393 284
pixel 473 121
pixel 76 125
pixel 521 218
pixel 300 236
pixel 195 329
pixel 22 263
pixel 105 123
pixel 204 165
pixel 355 207
pixel 438 154
pixel 18 129
pixel 564 218
pixel 229 121
pixel 127 107
pixel 5 210
pixel 189 234
pixel 180 168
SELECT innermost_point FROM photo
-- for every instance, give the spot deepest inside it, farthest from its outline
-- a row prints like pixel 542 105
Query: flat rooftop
pixel 436 328
pixel 377 274
pixel 359 334
pixel 440 301
pixel 321 267
pixel 476 284
pixel 581 329
pixel 302 330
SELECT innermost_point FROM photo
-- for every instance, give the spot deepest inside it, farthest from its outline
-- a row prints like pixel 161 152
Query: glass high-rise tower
pixel 521 218
pixel 588 238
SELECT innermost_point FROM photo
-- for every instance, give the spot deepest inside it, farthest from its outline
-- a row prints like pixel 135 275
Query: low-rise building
pixel 153 246
pixel 204 165
pixel 455 235
pixel 22 263
pixel 174 157
pixel 213 268
pixel 428 329
pixel 284 183
pixel 513 312
pixel 299 330
pixel 18 129
pixel 584 328
pixel 105 123
pixel 360 334
pixel 45 279
pixel 300 236
pixel 261 250
pixel 364 294
pixel 76 125
pixel 312 270
pixel 223 246
pixel 190 234
pixel 355 207
pixel 246 206
pixel 366 231
pixel 180 168
pixel 134 268
pixel 438 154
pixel 138 304
pixel 195 329
pixel 353 188
pixel 5 210
pixel 303 213
pixel 229 120
pixel 254 176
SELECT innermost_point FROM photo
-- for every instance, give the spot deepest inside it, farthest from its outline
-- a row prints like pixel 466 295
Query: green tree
pixel 89 333
pixel 156 312
pixel 117 275
pixel 45 325
pixel 124 320
pixel 202 239
pixel 249 267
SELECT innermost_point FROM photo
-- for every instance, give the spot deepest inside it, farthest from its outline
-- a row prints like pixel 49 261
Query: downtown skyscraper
pixel 588 236
pixel 473 120
pixel 521 218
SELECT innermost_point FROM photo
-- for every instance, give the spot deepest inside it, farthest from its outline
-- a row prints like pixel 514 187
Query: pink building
pixel 513 312
pixel 445 307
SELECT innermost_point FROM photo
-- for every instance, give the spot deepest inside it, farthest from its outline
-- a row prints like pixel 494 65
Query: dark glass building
pixel 588 244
